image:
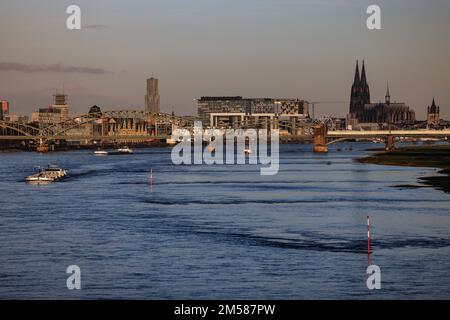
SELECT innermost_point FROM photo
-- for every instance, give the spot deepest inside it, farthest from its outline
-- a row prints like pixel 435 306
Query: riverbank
pixel 436 156
pixel 67 147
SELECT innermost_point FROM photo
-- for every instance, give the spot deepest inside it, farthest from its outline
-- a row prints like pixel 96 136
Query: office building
pixel 152 96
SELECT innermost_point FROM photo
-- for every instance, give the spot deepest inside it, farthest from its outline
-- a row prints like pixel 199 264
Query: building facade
pixel 152 96
pixel 238 111
pixel 49 116
pixel 60 103
pixel 18 118
pixel 363 111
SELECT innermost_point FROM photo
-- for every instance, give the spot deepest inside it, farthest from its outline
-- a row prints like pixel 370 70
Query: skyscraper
pixel 152 96
pixel 60 103
pixel 4 108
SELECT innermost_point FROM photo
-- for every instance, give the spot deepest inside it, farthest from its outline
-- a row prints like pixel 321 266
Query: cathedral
pixel 387 112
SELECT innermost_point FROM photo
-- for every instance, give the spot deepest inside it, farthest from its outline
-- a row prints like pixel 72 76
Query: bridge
pixel 129 126
pixel 119 126
pixel 323 138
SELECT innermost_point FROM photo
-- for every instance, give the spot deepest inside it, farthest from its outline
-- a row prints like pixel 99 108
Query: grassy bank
pixel 436 156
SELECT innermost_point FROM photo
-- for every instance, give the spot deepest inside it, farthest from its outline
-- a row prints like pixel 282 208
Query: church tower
pixel 356 91
pixel 388 95
pixel 365 91
pixel 360 94
pixel 433 118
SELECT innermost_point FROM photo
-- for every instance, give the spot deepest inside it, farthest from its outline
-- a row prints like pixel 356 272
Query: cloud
pixel 33 68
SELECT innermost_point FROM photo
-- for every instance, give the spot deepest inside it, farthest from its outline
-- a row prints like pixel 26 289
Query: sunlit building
pixel 152 96
pixel 252 112
pixel 60 103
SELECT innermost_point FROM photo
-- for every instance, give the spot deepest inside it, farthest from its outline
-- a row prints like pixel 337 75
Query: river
pixel 223 231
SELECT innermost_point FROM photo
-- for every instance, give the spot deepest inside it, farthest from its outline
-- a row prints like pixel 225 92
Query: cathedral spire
pixel 363 74
pixel 388 96
pixel 357 79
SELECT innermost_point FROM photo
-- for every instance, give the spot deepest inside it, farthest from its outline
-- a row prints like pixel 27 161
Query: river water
pixel 221 232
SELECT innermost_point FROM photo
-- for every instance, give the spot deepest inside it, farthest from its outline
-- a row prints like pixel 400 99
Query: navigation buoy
pixel 368 239
pixel 151 179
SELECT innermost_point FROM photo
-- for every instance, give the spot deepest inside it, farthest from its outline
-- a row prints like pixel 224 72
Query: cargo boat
pixel 50 174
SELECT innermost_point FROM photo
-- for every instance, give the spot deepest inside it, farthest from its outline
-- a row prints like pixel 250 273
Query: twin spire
pixel 357 79
pixel 362 79
pixel 360 94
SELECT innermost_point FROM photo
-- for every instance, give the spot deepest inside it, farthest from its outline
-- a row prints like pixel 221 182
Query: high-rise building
pixel 433 117
pixel 4 108
pixel 152 96
pixel 60 103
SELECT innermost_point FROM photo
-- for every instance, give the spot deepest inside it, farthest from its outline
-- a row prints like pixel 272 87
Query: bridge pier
pixel 320 138
pixel 390 143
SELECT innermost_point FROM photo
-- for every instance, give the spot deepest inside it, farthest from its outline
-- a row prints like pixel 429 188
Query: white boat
pixel 50 174
pixel 101 153
pixel 247 151
pixel 125 150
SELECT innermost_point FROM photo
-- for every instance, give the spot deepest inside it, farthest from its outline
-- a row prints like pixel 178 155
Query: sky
pixel 253 48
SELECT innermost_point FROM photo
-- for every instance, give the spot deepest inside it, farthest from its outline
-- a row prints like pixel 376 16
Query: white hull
pixel 51 174
pixel 101 153
pixel 125 150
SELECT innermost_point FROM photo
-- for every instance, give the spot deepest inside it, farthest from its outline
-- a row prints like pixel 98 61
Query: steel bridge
pixel 323 138
pixel 131 125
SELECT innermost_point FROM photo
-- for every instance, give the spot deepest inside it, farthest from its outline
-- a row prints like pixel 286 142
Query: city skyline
pixel 311 55
pixel 224 158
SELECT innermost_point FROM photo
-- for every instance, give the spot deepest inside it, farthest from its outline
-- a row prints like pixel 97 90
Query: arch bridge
pixel 129 125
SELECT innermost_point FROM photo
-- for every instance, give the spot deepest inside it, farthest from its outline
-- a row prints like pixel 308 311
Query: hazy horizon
pixel 252 48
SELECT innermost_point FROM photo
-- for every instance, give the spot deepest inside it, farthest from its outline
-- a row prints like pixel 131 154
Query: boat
pixel 51 174
pixel 125 150
pixel 247 151
pixel 42 148
pixel 101 153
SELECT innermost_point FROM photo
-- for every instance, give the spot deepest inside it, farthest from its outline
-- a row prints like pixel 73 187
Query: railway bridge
pixel 118 126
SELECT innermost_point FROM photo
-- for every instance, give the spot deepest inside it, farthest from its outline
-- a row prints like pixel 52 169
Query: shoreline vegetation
pixel 435 156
